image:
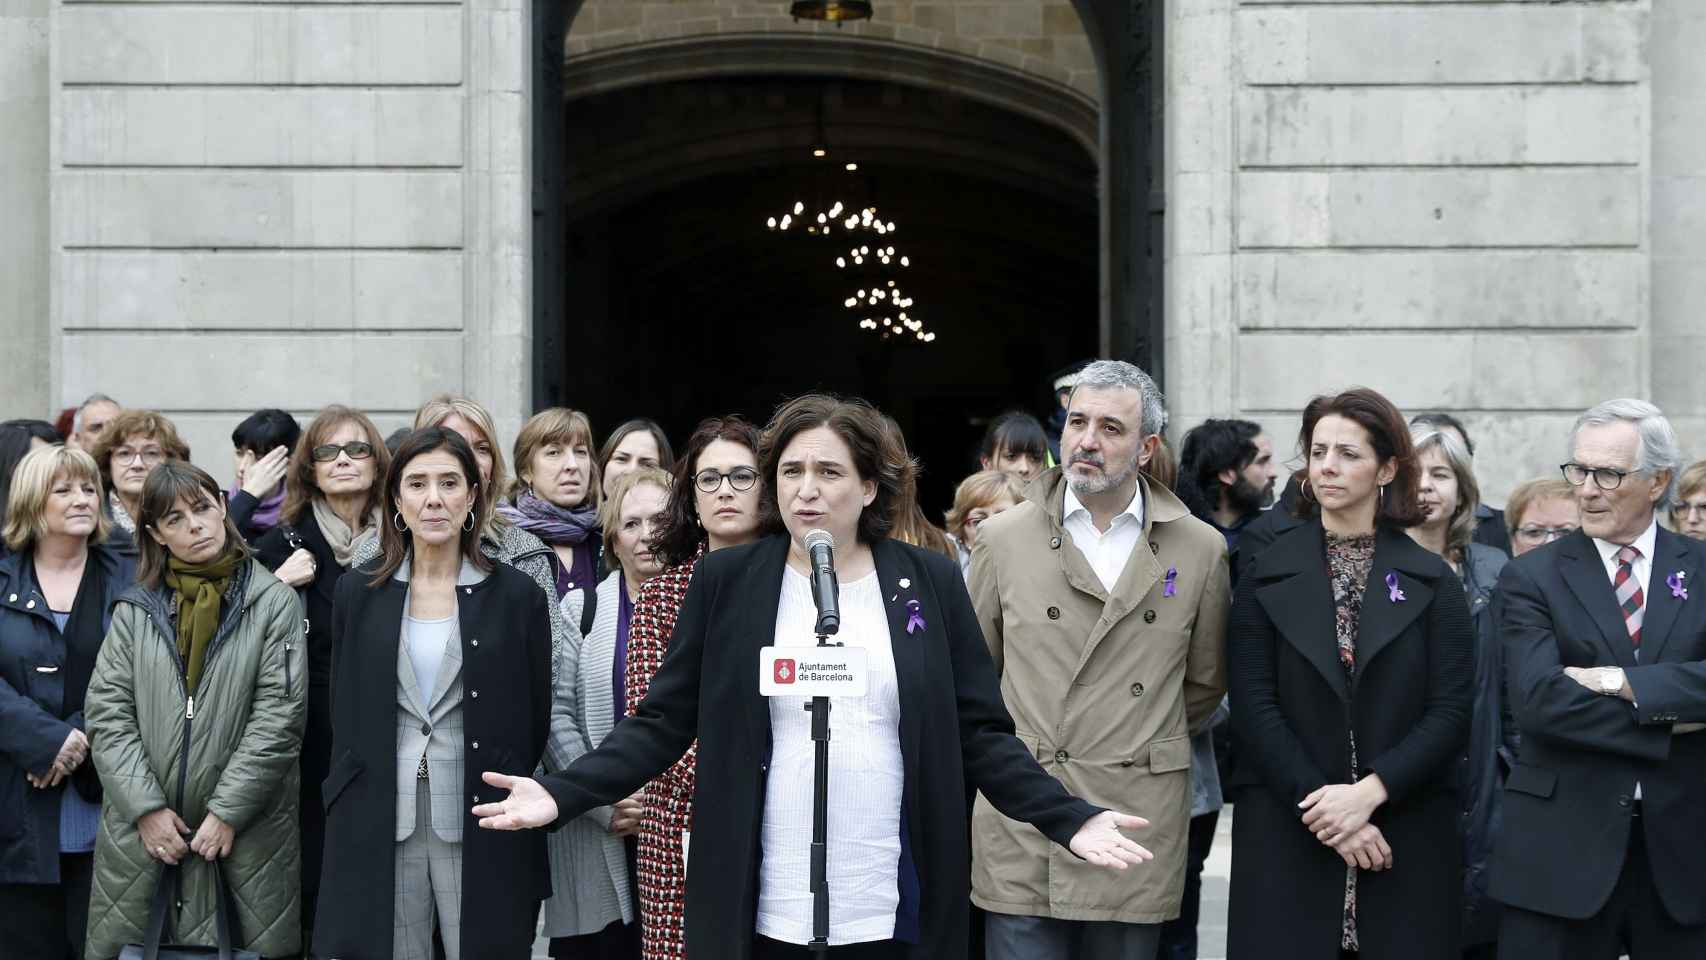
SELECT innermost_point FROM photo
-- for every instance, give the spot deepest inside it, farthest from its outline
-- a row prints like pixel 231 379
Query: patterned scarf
pixel 553 524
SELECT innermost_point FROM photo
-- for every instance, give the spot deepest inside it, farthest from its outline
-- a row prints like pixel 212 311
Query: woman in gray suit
pixel 591 914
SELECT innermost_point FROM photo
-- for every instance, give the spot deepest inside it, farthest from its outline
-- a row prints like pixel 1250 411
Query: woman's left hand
pixel 1337 810
pixel 1100 842
pixel 213 840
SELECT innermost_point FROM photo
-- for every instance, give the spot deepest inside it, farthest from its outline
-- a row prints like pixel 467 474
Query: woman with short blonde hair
pixel 980 496
pixel 1688 510
pixel 58 581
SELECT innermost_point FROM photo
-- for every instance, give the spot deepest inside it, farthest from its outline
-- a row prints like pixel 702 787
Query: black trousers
pixel 49 921
pixel 1633 922
pixel 1179 937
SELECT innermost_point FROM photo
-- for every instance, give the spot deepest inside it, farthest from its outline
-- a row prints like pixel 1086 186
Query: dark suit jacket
pixel 1568 801
pixel 506 710
pixel 954 729
pixel 1294 709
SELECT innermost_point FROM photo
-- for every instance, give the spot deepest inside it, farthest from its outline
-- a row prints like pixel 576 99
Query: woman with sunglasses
pixel 713 503
pixel 331 508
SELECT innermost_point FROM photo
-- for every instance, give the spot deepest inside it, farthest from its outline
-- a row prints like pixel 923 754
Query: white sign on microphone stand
pixel 813 671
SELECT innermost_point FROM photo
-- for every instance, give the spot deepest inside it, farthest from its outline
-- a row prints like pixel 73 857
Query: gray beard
pixel 1091 486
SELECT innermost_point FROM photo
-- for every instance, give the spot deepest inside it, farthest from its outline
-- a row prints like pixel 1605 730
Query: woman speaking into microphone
pixel 931 724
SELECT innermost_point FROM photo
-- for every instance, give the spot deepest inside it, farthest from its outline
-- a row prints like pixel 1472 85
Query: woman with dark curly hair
pixel 713 504
pixel 905 752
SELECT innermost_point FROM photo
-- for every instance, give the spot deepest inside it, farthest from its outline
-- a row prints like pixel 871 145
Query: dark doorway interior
pixel 681 303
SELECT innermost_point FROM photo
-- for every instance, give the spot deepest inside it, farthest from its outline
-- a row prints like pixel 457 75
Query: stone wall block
pixel 370 371
pixel 261 209
pixel 1441 208
pixel 118 126
pixel 329 290
pixel 141 43
pixel 1443 289
pixel 1451 371
pixel 1474 43
pixel 1679 218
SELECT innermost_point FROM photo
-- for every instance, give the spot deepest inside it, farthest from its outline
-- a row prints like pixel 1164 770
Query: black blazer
pixel 506 660
pixel 954 729
pixel 1568 800
pixel 1293 709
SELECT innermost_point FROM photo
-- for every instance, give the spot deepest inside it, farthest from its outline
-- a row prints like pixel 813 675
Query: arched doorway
pixel 688 304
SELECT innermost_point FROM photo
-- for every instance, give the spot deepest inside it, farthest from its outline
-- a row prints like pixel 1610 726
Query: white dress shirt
pixel 1642 569
pixel 865 779
pixel 1107 552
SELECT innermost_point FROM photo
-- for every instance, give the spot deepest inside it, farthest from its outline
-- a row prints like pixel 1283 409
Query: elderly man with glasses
pixel 1605 809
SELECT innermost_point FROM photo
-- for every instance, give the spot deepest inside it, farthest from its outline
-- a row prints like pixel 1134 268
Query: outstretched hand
pixel 527 806
pixel 1100 842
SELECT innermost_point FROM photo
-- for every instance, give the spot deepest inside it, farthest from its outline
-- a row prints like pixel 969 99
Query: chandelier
pixel 879 302
pixel 833 10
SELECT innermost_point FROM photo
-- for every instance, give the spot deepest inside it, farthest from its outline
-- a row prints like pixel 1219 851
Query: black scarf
pixel 84 631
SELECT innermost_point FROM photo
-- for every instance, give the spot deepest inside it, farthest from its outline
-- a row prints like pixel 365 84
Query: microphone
pixel 820 550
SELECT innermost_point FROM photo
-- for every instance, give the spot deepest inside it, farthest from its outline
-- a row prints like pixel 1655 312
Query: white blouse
pixel 865 778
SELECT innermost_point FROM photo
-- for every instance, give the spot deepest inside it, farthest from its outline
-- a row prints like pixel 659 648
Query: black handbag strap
pixel 589 612
pixel 166 891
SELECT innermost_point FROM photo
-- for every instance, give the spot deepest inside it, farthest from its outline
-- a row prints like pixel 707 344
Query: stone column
pixel 24 144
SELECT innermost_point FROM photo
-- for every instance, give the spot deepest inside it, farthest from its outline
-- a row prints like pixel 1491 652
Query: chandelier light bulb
pixel 799 208
pixel 841 262
pixel 771 223
pixel 905 262
pixel 851 167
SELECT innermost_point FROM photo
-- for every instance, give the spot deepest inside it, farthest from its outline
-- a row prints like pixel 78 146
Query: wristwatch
pixel 1611 682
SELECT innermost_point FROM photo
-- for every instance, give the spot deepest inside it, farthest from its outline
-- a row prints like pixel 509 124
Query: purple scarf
pixel 266 512
pixel 551 523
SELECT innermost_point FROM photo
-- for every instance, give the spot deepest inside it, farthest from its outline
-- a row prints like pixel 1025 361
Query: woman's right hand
pixel 1365 849
pixel 260 479
pixel 528 804
pixel 162 833
pixel 298 570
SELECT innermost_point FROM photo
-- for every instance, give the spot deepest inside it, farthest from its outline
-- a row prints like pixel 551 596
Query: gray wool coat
pixel 589 868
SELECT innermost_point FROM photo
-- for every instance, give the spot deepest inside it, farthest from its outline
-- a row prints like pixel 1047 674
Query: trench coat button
pixel 1149 616
pixel 474 642
pixel 426 729
pixel 468 590
pixel 1054 613
pixel 30 606
pixel 476 744
pixel 12 599
pixel 1061 756
pixel 474 694
pixel 1137 689
pixel 1053 544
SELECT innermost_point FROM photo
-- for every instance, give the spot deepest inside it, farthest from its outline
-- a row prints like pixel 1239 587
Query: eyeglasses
pixel 357 450
pixel 740 478
pixel 1529 533
pixel 149 456
pixel 1686 508
pixel 1605 478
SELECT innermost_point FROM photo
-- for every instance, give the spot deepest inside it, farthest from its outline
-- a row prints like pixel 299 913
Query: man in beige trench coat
pixel 1104 603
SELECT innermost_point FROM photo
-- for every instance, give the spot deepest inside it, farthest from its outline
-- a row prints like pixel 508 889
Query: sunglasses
pixel 356 449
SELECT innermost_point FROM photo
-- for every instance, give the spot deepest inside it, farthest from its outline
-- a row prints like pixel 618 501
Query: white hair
pixel 1118 374
pixel 1658 451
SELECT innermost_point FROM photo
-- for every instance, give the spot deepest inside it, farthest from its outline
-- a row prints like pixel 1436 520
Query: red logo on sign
pixel 784 671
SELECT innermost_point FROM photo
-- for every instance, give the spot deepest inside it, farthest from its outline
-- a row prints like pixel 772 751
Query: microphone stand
pixel 819 709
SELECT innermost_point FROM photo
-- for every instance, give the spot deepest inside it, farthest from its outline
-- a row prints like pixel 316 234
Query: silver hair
pixel 1118 374
pixel 1658 451
pixel 93 398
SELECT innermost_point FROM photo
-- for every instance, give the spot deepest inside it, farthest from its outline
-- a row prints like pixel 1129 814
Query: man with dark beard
pixel 1226 474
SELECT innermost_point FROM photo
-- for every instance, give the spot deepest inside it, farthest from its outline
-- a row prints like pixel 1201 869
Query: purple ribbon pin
pixel 1172 583
pixel 1392 592
pixel 1675 583
pixel 915 620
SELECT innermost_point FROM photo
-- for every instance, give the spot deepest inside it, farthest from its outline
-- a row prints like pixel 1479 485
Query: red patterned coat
pixel 662 874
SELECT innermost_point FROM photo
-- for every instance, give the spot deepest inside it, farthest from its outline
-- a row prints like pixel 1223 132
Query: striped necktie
pixel 1629 594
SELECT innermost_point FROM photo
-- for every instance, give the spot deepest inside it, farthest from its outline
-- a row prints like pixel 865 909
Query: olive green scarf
pixel 197 589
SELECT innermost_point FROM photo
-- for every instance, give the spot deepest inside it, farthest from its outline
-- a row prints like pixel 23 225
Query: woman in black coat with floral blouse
pixel 1351 683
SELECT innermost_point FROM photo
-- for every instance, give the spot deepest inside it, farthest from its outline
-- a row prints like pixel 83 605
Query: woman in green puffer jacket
pixel 195 715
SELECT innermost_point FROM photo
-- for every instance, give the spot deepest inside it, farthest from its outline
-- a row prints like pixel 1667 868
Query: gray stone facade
pixel 1494 208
